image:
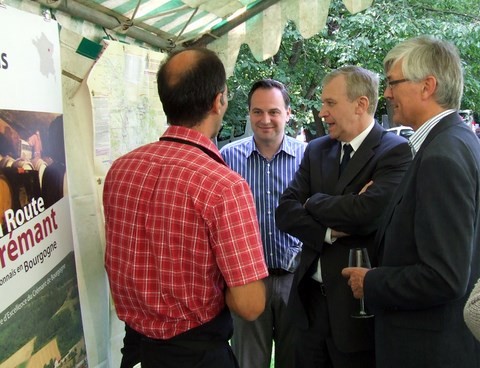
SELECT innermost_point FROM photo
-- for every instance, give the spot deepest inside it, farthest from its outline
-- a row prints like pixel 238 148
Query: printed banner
pixel 40 317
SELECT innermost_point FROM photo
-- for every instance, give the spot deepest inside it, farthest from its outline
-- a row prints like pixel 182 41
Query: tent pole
pixel 79 10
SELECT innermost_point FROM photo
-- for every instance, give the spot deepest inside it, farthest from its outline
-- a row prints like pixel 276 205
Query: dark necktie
pixel 347 150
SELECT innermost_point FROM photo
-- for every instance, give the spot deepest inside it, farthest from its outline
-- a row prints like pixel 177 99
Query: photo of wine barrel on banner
pixel 17 188
pixel 7 161
pixel 6 201
pixel 24 185
pixel 32 159
pixel 39 165
pixel 23 164
pixel 30 143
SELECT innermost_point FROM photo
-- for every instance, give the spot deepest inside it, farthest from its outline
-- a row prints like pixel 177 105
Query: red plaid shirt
pixel 179 226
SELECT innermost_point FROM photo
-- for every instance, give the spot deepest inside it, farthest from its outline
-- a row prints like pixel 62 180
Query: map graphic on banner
pixel 40 317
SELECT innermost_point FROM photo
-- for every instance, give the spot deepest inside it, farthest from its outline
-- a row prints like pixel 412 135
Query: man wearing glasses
pixel 430 235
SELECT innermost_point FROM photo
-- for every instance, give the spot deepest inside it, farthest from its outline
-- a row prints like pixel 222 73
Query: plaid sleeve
pixel 236 239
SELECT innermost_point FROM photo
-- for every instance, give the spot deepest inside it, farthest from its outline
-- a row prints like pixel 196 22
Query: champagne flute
pixel 358 257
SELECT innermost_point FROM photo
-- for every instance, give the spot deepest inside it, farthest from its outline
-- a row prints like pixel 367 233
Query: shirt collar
pixel 417 138
pixel 286 146
pixel 358 140
pixel 189 134
pixel 250 147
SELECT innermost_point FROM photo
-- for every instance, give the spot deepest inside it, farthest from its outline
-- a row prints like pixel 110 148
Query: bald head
pixel 179 64
pixel 188 83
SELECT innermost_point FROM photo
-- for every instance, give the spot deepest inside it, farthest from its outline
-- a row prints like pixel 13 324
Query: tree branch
pixel 446 12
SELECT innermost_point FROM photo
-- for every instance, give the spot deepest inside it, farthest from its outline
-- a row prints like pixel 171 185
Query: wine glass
pixel 358 257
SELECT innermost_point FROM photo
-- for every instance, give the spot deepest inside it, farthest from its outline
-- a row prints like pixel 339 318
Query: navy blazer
pixel 430 247
pixel 334 202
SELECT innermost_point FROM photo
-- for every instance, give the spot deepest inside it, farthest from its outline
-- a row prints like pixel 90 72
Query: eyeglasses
pixel 392 83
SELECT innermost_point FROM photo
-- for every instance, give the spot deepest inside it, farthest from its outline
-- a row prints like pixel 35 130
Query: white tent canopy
pixel 221 25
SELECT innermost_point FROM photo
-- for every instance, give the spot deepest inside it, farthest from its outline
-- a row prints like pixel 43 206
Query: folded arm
pixel 359 210
pixel 291 215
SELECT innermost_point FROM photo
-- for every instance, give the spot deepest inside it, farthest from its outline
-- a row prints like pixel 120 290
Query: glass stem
pixel 362 306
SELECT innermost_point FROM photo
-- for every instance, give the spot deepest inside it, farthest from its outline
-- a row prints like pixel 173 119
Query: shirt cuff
pixel 328 236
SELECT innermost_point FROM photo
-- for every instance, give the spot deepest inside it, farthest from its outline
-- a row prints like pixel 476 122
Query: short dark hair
pixel 187 97
pixel 269 84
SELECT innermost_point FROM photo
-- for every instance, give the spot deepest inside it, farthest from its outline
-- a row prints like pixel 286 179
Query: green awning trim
pixel 89 49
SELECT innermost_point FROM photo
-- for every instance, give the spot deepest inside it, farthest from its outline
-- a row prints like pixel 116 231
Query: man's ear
pixel 429 86
pixel 362 103
pixel 218 102
pixel 289 114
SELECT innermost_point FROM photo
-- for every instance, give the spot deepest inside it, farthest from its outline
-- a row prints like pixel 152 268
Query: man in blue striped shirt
pixel 268 161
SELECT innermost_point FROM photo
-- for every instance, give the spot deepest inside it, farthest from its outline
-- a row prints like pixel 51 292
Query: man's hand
pixel 338 234
pixel 355 277
pixel 365 187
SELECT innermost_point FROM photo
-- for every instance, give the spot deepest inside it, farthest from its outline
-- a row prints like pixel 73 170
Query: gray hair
pixel 425 56
pixel 359 82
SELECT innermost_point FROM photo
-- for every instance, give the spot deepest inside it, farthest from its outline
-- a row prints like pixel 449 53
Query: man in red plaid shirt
pixel 183 243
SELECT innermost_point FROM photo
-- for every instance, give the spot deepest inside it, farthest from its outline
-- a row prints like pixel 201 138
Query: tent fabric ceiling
pixel 221 25
pixel 263 32
pixel 181 21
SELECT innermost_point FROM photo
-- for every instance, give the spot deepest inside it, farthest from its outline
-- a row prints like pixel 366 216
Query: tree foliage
pixel 360 39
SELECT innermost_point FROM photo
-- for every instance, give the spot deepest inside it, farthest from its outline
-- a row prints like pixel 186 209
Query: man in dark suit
pixel 430 237
pixel 331 212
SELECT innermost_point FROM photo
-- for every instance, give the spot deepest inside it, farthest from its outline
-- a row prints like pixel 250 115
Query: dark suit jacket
pixel 334 202
pixel 430 241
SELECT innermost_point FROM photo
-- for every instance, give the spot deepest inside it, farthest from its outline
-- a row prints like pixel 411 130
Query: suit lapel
pixel 361 157
pixel 331 166
pixel 446 122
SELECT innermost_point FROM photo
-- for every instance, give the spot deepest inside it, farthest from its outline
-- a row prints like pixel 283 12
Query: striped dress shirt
pixel 268 180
